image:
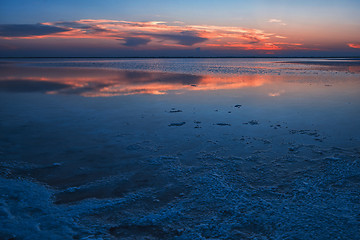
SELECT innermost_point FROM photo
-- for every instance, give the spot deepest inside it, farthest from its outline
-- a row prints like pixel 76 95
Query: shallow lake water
pixel 179 148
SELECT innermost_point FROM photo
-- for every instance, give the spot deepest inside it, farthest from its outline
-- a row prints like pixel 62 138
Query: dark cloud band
pixel 184 38
pixel 135 41
pixel 27 30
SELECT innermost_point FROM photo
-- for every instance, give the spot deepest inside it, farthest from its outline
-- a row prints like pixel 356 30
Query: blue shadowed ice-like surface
pixel 179 149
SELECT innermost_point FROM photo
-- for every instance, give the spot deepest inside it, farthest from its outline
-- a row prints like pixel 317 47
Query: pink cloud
pixel 354 45
pixel 159 34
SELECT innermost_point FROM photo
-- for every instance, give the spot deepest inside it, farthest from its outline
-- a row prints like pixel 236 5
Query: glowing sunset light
pixel 189 119
pixel 232 28
pixel 354 45
pixel 157 33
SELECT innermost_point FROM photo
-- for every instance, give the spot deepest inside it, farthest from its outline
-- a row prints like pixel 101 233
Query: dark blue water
pixel 179 149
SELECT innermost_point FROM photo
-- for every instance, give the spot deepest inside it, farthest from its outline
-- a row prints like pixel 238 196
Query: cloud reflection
pixel 107 82
pixel 27 85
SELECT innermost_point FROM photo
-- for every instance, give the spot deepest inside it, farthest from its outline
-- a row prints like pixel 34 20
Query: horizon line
pixel 353 57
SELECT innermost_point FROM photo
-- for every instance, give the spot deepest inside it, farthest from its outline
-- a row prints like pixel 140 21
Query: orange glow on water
pixel 100 82
pixel 96 81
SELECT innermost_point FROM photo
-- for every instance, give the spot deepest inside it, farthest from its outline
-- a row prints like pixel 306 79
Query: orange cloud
pixel 154 34
pixel 354 45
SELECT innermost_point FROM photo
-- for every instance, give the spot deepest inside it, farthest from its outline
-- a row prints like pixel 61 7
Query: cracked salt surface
pixel 110 168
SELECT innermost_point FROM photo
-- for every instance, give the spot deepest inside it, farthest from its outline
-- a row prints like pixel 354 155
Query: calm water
pixel 179 148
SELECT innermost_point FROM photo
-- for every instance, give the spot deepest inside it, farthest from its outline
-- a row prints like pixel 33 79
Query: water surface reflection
pixel 105 82
pixel 272 137
pixel 102 82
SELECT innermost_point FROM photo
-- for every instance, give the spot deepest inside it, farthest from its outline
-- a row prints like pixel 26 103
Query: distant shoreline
pixel 182 57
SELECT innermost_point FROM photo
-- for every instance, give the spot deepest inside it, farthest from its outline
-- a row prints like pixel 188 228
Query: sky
pixel 186 28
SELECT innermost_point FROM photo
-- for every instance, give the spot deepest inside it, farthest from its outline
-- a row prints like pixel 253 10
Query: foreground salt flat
pixel 258 155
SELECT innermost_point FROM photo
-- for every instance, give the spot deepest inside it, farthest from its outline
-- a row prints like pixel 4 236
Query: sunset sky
pixel 201 28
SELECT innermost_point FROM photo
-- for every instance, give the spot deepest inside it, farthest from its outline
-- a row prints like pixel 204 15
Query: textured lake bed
pixel 179 149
